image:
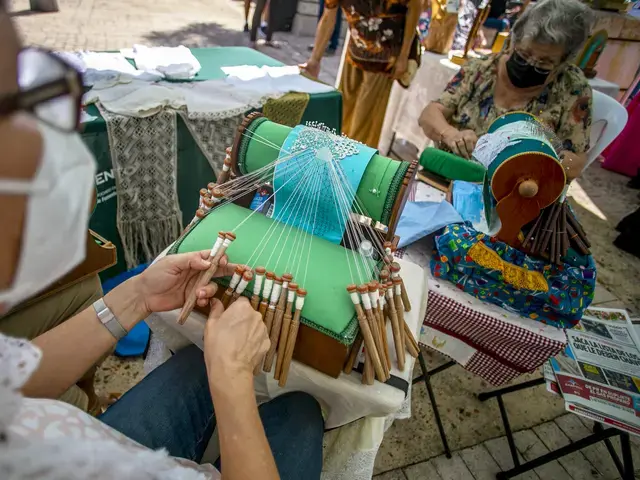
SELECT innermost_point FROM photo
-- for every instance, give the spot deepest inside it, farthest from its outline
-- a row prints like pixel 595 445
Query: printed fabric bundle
pixel 494 272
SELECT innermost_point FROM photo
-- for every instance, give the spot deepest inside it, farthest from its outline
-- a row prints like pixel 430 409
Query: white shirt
pixel 50 440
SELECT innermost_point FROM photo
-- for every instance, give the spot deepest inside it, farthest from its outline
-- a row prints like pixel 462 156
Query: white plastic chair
pixel 608 119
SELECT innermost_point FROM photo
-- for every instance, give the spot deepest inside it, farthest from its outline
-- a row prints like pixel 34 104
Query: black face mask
pixel 523 74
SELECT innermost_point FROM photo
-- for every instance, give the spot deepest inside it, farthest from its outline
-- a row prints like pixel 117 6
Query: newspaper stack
pixel 598 374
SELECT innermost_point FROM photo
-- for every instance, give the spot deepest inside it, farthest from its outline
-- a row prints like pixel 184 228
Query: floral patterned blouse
pixel 564 104
pixel 377 31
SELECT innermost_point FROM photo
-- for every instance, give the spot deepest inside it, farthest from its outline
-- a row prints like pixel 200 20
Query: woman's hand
pixel 312 67
pixel 400 67
pixel 572 163
pixel 459 142
pixel 235 342
pixel 164 285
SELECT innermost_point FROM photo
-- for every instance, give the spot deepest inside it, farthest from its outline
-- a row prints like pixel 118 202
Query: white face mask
pixel 57 214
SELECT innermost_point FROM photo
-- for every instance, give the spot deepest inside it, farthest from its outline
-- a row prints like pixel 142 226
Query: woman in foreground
pixel 46 181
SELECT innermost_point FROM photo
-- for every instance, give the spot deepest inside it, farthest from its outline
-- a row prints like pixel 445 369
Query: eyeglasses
pixel 523 60
pixel 49 87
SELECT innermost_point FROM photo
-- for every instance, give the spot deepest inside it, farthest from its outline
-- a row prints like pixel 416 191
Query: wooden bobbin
pixel 210 187
pixel 266 294
pixel 410 342
pixel 397 296
pixel 277 322
pixel 363 290
pixel 235 280
pixel 273 301
pixel 395 326
pixel 353 354
pixel 217 252
pixel 292 288
pixel 374 296
pixel 204 193
pixel 301 293
pixel 226 170
pixel 247 276
pixel 257 287
pixel 207 204
pixel 367 334
pixel 395 273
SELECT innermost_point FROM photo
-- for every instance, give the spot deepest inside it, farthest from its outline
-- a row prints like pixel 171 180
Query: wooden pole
pixel 257 287
pixel 395 326
pixel 271 310
pixel 292 336
pixel 217 252
pixel 369 341
pixel 266 294
pixel 284 328
pixel 277 322
pixel 235 280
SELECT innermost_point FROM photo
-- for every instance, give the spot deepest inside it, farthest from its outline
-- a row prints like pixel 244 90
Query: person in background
pixel 265 10
pixel 265 17
pixel 535 75
pixel 382 33
pixel 335 36
pixel 46 181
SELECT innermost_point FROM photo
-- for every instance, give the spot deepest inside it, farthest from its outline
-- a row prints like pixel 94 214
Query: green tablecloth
pixel 194 171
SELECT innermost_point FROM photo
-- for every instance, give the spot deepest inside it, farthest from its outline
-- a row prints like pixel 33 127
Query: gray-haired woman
pixel 534 75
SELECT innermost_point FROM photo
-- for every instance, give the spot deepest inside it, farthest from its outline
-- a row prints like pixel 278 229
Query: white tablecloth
pixel 364 412
pixel 405 106
pixel 344 399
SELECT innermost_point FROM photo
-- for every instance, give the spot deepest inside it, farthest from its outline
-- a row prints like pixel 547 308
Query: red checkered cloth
pixel 504 350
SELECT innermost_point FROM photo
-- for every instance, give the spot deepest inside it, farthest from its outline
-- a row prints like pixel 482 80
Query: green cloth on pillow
pixel 451 166
pixel 320 267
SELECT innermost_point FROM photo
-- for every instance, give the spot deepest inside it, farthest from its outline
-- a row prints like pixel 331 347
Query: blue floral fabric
pixel 571 285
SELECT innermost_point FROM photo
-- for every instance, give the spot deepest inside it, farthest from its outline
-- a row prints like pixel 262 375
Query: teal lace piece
pixel 316 187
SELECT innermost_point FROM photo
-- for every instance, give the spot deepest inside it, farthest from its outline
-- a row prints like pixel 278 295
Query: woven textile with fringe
pixel 213 133
pixel 144 154
pixel 288 109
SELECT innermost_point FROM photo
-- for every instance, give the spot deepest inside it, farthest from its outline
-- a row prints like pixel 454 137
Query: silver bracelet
pixel 108 319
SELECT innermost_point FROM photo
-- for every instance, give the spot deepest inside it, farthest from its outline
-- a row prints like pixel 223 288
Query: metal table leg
pixel 426 375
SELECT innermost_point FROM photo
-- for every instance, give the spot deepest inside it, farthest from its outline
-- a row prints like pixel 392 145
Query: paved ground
pixel 483 461
pixel 411 449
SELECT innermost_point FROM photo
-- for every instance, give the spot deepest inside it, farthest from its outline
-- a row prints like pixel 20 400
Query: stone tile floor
pixel 411 448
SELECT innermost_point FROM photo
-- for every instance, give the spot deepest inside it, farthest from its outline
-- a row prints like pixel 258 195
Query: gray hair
pixel 555 22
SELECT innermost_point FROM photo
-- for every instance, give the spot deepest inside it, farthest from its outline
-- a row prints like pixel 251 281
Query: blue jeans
pixel 335 37
pixel 171 408
pixel 499 24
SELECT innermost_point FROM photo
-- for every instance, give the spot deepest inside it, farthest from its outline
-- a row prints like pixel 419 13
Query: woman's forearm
pixel 244 450
pixel 72 348
pixel 433 121
pixel 410 24
pixel 323 33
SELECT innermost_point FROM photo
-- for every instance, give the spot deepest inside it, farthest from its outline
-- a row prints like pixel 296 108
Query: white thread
pixel 216 247
pixel 390 294
pixel 398 289
pixel 299 303
pixel 257 285
pixel 355 298
pixel 225 168
pixel 268 285
pixel 234 280
pixel 285 285
pixel 375 296
pixel 366 301
pixel 242 285
pixel 291 295
pixel 275 293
